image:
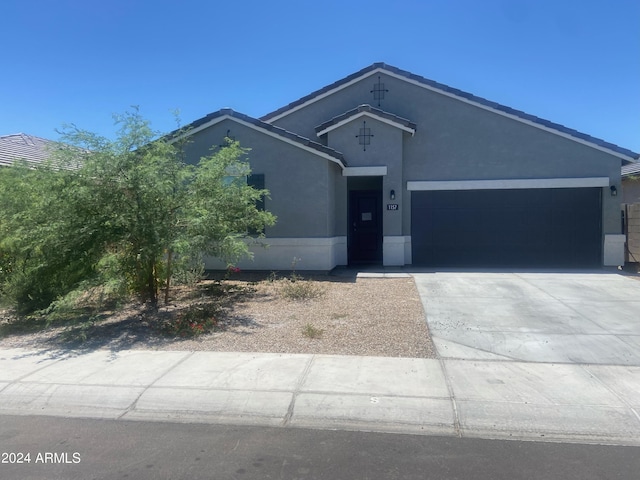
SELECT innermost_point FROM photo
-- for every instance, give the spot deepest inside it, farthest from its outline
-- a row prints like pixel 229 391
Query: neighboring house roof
pixel 272 130
pixel 367 111
pixel 375 68
pixel 631 170
pixel 20 146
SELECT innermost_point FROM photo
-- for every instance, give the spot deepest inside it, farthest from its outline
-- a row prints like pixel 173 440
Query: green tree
pixel 129 213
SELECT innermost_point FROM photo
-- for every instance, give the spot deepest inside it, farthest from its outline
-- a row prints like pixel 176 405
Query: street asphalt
pixel 115 449
pixel 534 356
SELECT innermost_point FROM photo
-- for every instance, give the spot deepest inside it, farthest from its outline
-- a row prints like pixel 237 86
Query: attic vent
pixel 364 137
pixel 227 139
pixel 378 91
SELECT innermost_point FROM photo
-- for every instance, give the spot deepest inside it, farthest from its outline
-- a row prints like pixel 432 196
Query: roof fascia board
pixel 325 94
pixel 370 115
pixel 456 97
pixel 204 126
pixel 261 130
pixel 524 183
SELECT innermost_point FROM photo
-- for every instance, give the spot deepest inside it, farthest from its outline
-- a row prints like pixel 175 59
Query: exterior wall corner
pixel 394 251
pixel 613 250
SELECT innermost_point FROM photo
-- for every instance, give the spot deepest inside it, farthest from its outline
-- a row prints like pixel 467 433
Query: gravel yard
pixel 349 316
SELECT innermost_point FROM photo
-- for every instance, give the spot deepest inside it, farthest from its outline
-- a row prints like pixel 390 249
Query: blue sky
pixel 574 62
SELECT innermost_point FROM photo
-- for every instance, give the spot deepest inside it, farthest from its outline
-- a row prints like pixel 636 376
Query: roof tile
pixel 630 170
pixel 20 146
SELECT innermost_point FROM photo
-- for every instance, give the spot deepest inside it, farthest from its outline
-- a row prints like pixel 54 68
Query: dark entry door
pixel 365 226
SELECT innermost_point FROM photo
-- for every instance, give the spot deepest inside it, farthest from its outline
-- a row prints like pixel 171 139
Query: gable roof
pixel 466 97
pixel 630 170
pixel 20 146
pixel 367 111
pixel 266 128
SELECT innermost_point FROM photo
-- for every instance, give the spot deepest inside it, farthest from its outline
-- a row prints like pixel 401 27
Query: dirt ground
pixel 341 315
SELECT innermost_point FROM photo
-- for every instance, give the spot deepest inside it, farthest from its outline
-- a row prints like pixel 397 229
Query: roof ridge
pixel 26 136
pixel 12 135
pixel 327 88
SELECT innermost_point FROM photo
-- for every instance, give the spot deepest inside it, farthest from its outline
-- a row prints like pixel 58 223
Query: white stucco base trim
pixel 408 258
pixel 395 250
pixel 508 184
pixel 281 253
pixel 613 250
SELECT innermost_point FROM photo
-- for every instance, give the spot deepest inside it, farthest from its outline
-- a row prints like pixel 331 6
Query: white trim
pixel 323 95
pixel 509 184
pixel 261 130
pixel 319 253
pixel 451 95
pixel 408 259
pixel 412 131
pixel 394 250
pixel 613 255
pixel 364 171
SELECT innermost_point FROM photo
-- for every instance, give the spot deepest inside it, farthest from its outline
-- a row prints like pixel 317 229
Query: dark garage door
pixel 529 228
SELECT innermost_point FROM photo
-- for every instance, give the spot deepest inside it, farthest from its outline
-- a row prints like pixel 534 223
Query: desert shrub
pixel 194 321
pixel 131 211
pixel 299 288
pixel 310 331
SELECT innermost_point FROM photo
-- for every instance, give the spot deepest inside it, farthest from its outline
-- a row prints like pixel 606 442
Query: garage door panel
pixel 537 227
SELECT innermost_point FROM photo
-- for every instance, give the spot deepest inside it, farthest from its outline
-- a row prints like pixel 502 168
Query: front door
pixel 365 226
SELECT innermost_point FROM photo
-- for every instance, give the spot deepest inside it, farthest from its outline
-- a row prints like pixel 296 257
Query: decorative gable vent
pixel 364 137
pixel 379 91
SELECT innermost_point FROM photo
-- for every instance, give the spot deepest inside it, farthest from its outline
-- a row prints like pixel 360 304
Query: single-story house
pixel 390 168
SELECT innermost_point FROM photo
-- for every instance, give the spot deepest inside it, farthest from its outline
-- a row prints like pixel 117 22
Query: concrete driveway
pixel 583 318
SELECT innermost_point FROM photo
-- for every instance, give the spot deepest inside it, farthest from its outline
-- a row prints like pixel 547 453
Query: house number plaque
pixel 392 206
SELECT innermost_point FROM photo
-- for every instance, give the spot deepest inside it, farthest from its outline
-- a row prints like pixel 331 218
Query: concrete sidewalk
pixel 470 398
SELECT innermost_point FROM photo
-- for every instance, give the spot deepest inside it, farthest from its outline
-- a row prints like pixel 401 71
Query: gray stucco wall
pixel 301 184
pixel 385 149
pixel 340 204
pixel 456 141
